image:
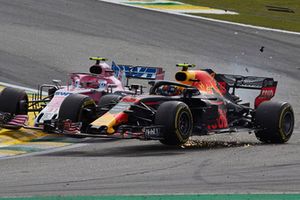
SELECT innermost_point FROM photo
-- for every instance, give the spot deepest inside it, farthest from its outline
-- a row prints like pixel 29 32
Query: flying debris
pixel 261 49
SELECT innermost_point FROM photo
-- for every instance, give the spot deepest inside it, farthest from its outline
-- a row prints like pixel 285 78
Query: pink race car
pixel 102 80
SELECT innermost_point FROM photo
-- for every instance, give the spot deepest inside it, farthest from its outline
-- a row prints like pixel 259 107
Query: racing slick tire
pixel 78 108
pixel 277 121
pixel 177 120
pixel 107 102
pixel 14 101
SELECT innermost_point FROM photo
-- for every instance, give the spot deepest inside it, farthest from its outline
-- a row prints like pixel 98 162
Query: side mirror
pixel 57 82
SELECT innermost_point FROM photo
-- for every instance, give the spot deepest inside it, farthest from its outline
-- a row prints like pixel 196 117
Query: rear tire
pixel 177 120
pixel 277 121
pixel 78 108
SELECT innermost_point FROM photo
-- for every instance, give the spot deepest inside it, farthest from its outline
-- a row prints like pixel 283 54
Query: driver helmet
pixel 170 90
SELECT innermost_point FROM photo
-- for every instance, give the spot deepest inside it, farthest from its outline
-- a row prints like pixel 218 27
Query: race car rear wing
pixel 138 72
pixel 246 82
pixel 266 85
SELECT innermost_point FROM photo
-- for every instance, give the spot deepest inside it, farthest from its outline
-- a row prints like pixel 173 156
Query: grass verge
pixel 266 13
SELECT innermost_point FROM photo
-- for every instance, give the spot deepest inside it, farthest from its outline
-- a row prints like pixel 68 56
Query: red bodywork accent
pixel 221 121
pixel 266 94
pixel 152 103
pixel 122 117
pixel 130 99
pixel 206 84
pixel 223 87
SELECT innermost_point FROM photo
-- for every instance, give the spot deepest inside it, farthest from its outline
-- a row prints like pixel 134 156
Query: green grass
pixel 255 12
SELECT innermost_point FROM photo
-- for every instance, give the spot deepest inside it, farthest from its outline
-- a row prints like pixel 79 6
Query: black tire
pixel 78 108
pixel 277 121
pixel 177 120
pixel 14 101
pixel 109 100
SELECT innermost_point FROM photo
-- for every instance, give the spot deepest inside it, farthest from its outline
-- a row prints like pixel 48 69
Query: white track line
pixel 208 19
pixel 20 87
pixel 16 86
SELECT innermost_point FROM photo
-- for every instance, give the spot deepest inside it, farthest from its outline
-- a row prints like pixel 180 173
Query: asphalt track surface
pixel 43 40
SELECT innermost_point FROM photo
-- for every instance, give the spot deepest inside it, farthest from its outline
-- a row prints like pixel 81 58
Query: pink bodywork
pixel 93 81
pixel 90 84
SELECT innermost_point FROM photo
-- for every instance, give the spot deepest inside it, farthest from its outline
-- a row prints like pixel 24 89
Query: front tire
pixel 177 120
pixel 78 108
pixel 109 99
pixel 14 101
pixel 106 102
pixel 276 120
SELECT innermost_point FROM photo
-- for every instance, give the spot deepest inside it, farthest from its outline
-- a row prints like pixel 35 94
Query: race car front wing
pixel 68 128
pixel 8 120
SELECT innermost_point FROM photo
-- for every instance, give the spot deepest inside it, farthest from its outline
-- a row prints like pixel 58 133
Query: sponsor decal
pixel 152 132
pixel 102 85
pixel 62 93
pixel 134 71
pixel 221 121
pixel 268 93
